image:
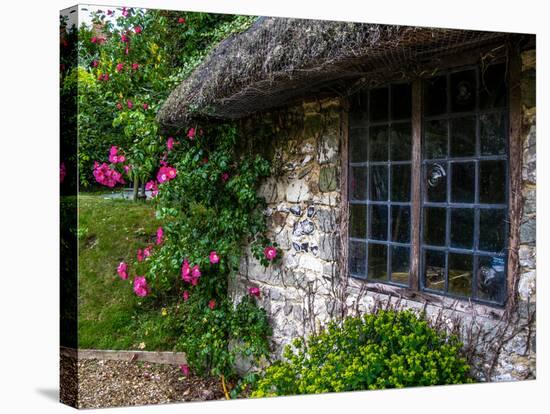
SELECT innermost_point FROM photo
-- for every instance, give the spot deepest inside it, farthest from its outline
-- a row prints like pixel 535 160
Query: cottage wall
pixel 304 210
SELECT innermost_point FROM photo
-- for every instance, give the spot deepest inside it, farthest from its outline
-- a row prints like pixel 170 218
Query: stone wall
pixel 309 286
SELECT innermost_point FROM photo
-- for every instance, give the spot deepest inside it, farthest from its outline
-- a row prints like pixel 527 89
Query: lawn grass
pixel 110 317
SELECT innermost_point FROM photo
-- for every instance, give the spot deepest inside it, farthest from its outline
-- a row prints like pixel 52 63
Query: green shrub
pixel 388 349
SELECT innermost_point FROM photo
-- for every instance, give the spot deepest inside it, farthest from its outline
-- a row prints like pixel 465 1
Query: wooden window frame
pixel 515 201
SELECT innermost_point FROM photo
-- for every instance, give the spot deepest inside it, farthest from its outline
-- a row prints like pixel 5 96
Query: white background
pixel 29 177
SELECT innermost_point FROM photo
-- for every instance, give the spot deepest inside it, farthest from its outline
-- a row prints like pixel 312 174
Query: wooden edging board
pixel 146 356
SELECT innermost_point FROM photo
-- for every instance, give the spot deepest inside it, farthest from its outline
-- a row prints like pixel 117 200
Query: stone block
pixel 328 179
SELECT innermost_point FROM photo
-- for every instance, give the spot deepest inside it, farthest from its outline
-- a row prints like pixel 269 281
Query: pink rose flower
pixel 166 173
pixel 185 295
pixel 191 133
pixel 129 104
pixel 195 275
pixel 140 255
pixel 145 106
pixel 93 39
pixel 135 66
pixel 119 67
pixel 185 369
pixel 124 38
pixel 95 63
pixel 270 252
pixel 140 286
pixel 214 258
pixel 160 234
pixel 170 143
pixel 122 270
pixel 186 271
pixel 254 291
pixel 147 251
pixel 137 29
pixel 212 304
pixel 225 177
pixel 181 20
pixel 153 187
pixel 119 106
pixel 127 168
pixel 124 11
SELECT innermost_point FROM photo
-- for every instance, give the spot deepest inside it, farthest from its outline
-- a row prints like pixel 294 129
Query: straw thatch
pixel 281 59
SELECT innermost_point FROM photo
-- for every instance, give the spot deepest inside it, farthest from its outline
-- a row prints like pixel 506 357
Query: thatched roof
pixel 281 59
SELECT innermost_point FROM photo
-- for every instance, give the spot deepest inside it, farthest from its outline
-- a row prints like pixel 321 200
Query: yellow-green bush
pixel 388 349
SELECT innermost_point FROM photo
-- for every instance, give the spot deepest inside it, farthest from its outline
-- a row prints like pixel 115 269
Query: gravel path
pixel 123 383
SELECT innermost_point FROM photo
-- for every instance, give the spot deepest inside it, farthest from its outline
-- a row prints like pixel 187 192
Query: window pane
pixel 400 224
pixel 492 182
pixel 463 91
pixel 401 101
pixel 400 135
pixel 463 182
pixel 492 134
pixel 400 264
pixel 400 182
pixel 358 114
pixel 358 221
pixel 463 137
pixel 435 96
pixel 436 182
pixel 357 255
pixel 492 92
pixel 378 143
pixel 492 230
pixel 462 228
pixel 435 223
pixel 434 262
pixel 379 183
pixel 378 259
pixel 491 278
pixel 379 105
pixel 460 274
pixel 358 145
pixel 378 222
pixel 358 183
pixel 435 139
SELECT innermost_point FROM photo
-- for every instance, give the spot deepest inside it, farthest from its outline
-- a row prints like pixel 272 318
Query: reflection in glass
pixel 400 264
pixel 400 145
pixel 400 224
pixel 357 255
pixel 358 145
pixel 492 91
pixel 358 114
pixel 460 274
pixel 435 139
pixel 491 278
pixel 358 183
pixel 378 259
pixel 462 228
pixel 492 182
pixel 379 183
pixel 400 182
pixel 378 143
pixel 434 275
pixel 492 230
pixel 463 182
pixel 463 137
pixel 378 223
pixel 492 134
pixel 435 221
pixel 358 221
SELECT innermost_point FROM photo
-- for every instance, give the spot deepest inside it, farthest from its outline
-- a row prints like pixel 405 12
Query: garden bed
pixel 123 383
